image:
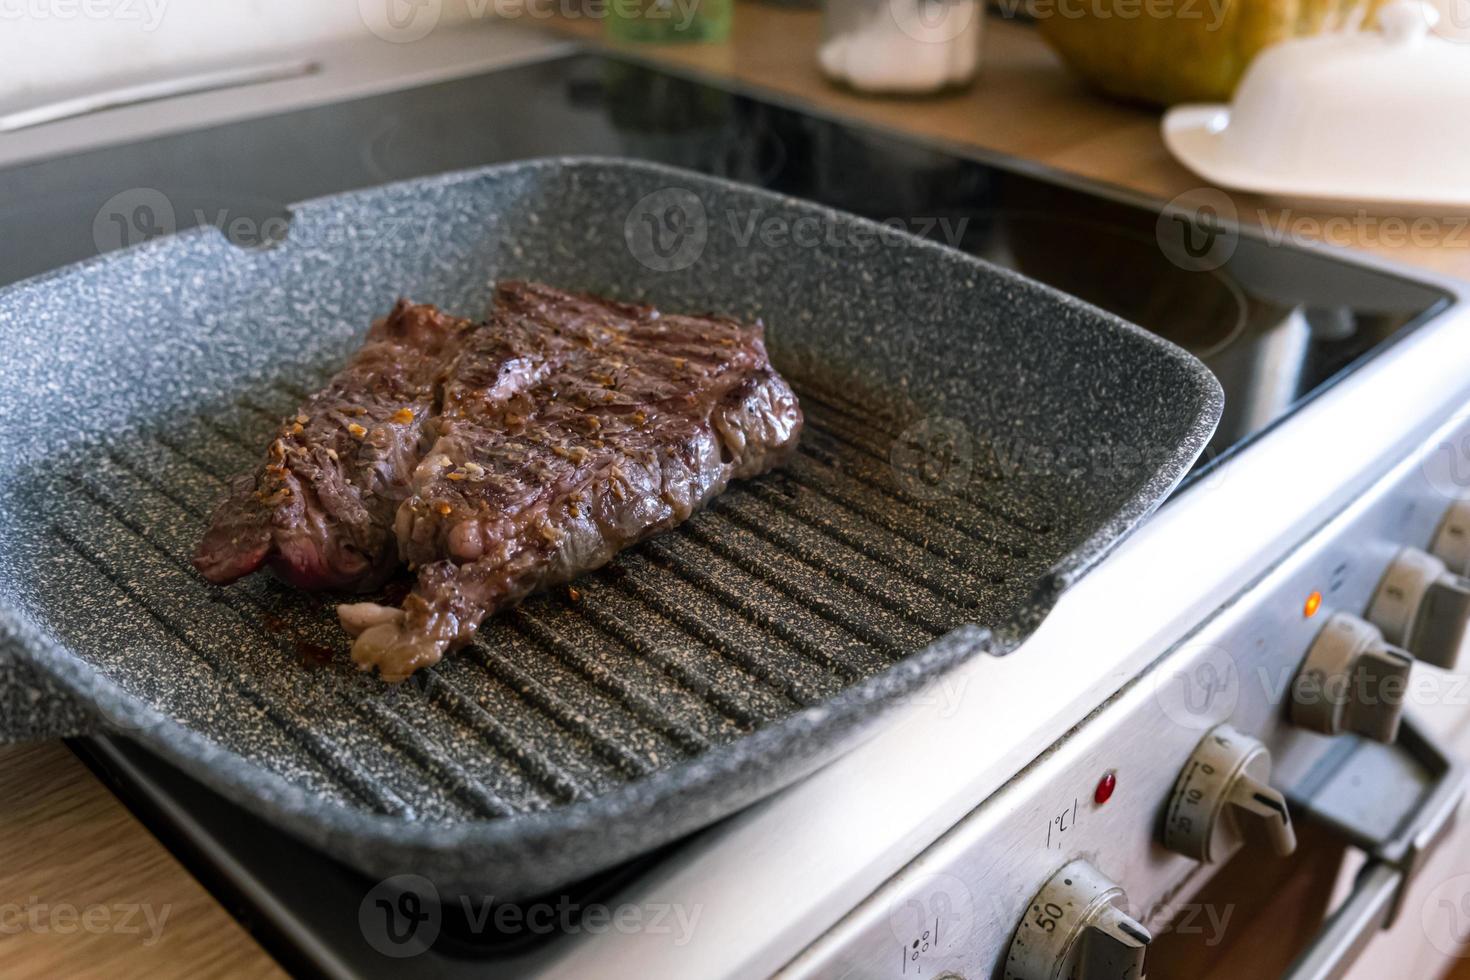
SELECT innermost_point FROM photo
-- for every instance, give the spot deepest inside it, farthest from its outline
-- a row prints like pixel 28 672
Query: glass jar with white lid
pixel 901 46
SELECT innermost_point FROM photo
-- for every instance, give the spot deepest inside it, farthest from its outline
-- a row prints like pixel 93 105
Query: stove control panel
pixel 1283 691
pixel 1077 926
pixel 1222 790
pixel 1423 606
pixel 1351 680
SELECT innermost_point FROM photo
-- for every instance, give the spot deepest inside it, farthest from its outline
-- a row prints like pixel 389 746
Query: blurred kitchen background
pixel 62 47
pixel 52 46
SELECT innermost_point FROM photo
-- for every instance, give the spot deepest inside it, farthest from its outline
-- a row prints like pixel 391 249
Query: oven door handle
pixel 1393 859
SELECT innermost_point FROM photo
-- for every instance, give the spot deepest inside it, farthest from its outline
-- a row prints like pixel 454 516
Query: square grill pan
pixel 975 442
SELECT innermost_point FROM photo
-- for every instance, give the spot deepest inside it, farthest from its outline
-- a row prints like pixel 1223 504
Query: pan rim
pixel 321 822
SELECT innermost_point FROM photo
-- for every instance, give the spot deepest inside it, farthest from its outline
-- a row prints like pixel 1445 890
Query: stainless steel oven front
pixel 1302 693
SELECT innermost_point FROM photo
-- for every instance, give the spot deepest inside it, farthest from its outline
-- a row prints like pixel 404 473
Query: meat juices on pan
pixel 571 428
pixel 320 510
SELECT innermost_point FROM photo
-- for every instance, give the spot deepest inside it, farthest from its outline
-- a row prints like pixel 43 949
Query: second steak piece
pixel 571 428
pixel 319 511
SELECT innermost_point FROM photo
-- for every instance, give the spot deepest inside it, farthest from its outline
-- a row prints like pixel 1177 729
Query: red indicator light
pixel 1105 787
pixel 1313 603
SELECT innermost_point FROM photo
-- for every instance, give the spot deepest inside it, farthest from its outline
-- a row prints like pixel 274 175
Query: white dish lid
pixel 1380 115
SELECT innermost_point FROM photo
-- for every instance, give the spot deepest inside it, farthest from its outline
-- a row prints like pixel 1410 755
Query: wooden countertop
pixel 85 891
pixel 79 876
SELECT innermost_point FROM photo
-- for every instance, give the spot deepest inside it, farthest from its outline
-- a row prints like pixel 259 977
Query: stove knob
pixel 1452 540
pixel 1076 927
pixel 1423 607
pixel 1352 680
pixel 1224 785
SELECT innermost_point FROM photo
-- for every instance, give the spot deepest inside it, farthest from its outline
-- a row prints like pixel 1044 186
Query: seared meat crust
pixel 571 428
pixel 563 430
pixel 319 511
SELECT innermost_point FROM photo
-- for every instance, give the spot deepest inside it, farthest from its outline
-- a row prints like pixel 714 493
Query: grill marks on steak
pixel 570 428
pixel 500 458
pixel 319 512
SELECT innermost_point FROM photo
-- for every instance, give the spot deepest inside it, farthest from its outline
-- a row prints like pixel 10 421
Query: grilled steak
pixel 566 429
pixel 320 510
pixel 571 427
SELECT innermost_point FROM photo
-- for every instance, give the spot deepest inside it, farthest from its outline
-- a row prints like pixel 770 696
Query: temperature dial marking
pixel 1223 787
pixel 1076 927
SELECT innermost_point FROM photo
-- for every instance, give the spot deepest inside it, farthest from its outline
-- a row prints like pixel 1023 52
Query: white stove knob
pixel 1423 607
pixel 1224 786
pixel 1076 929
pixel 1452 541
pixel 1352 680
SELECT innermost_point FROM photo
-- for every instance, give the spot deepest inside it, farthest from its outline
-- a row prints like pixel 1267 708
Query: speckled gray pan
pixel 974 443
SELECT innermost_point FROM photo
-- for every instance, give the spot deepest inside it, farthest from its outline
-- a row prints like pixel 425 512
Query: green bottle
pixel 657 21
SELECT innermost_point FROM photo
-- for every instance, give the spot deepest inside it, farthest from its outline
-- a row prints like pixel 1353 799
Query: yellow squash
pixel 1169 51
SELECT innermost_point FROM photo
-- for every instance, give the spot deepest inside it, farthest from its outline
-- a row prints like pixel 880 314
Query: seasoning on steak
pixel 319 511
pixel 570 428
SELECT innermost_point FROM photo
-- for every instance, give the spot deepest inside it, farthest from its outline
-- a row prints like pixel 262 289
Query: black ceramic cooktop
pixel 1276 324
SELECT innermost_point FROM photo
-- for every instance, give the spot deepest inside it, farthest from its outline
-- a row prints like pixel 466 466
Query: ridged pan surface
pixel 974 442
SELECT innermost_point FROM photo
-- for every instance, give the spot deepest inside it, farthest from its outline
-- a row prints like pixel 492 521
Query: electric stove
pixel 1336 372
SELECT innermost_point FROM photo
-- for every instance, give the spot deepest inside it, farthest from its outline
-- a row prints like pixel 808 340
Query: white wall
pixel 63 45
